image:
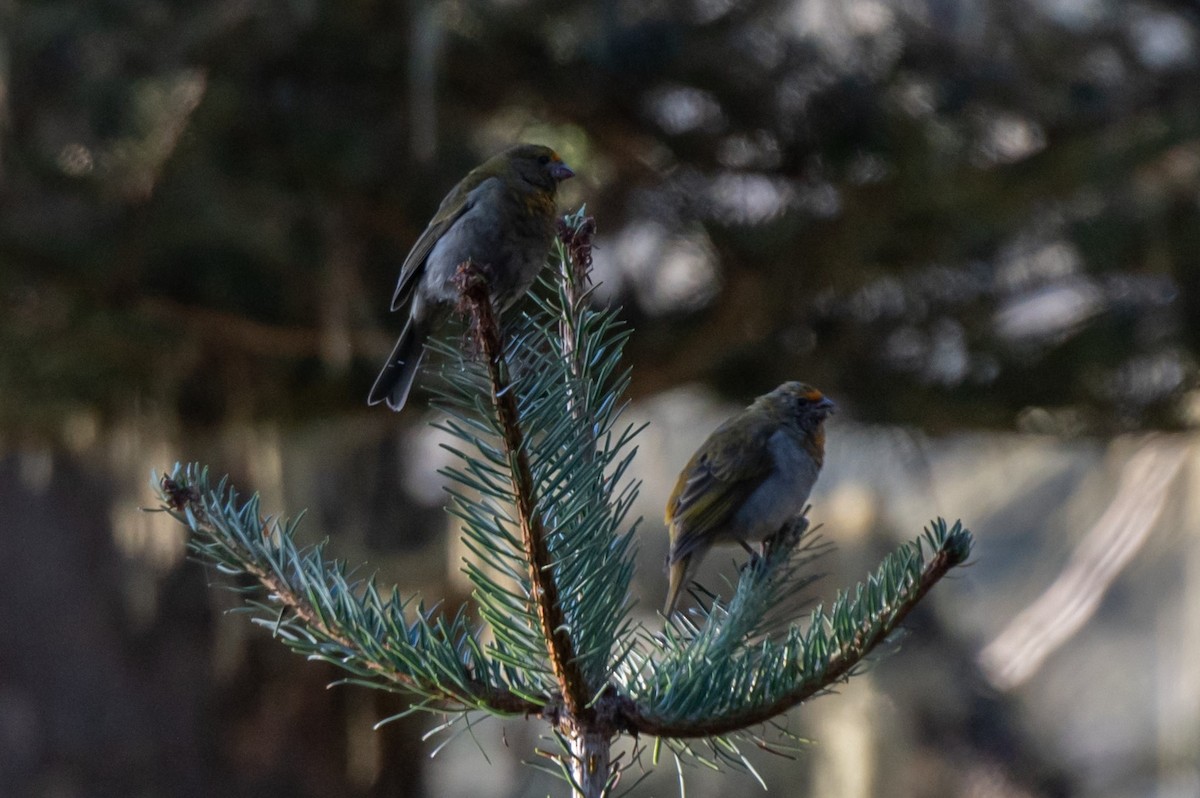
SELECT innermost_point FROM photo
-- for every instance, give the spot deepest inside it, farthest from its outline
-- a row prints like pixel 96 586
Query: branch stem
pixel 559 644
pixel 591 770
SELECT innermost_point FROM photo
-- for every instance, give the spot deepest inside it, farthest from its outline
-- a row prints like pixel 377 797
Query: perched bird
pixel 501 216
pixel 751 476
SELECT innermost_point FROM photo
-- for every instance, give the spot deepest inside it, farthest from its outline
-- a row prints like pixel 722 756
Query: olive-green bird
pixel 751 476
pixel 502 217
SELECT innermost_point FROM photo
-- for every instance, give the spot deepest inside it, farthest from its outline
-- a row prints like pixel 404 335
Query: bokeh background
pixel 974 223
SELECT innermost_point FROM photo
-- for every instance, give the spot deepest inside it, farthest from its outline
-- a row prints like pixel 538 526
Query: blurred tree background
pixel 974 223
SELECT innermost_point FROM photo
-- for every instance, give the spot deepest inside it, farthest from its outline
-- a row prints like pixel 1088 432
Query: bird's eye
pixel 543 159
pixel 806 400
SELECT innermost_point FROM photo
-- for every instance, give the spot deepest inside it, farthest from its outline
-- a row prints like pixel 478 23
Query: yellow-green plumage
pixel 501 216
pixel 752 475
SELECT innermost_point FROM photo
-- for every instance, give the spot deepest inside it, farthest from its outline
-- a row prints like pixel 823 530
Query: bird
pixel 750 477
pixel 500 216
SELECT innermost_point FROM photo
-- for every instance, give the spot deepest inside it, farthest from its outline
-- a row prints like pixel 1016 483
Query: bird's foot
pixel 788 536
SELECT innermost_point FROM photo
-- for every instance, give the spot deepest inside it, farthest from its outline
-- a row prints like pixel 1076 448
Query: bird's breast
pixel 782 495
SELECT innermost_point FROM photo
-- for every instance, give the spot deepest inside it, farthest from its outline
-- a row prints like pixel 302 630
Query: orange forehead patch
pixel 554 157
pixel 813 395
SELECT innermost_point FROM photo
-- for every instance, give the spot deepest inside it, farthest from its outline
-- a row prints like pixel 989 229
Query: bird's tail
pixel 679 577
pixel 396 380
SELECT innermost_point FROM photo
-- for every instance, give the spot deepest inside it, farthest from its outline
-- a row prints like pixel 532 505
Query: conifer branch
pixel 574 246
pixel 477 303
pixel 237 539
pixel 541 488
pixel 836 642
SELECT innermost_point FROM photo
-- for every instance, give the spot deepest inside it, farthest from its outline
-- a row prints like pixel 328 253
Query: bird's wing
pixel 460 200
pixel 720 476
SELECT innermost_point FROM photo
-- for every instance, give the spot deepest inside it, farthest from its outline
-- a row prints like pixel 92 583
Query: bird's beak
pixel 827 405
pixel 560 171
